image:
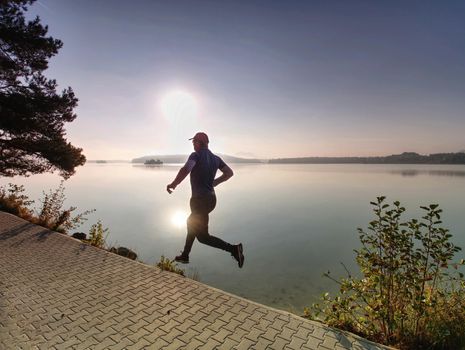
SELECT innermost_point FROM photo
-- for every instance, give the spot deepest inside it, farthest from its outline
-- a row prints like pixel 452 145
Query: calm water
pixel 295 221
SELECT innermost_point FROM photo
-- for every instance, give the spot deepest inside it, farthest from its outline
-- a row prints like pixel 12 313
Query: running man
pixel 202 166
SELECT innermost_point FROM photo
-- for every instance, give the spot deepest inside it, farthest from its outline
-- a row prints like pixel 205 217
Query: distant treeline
pixel 404 158
pixel 179 158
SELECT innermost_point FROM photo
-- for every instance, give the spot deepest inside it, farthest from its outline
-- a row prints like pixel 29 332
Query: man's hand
pixel 183 172
pixel 170 188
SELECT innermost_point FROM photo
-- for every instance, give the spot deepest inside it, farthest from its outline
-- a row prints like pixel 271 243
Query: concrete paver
pixel 58 293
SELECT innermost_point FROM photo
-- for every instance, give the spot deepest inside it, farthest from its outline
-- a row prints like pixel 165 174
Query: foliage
pixel 411 293
pixel 169 265
pixel 98 235
pixel 32 113
pixel 14 201
pixel 53 216
pixel 50 215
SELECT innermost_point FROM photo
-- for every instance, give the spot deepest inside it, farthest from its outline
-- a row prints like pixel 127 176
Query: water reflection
pixel 157 167
pixel 179 218
pixel 416 172
pixel 296 221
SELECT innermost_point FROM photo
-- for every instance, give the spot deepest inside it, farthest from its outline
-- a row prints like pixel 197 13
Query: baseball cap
pixel 201 137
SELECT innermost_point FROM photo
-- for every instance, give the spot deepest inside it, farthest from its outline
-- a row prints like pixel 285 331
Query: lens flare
pixel 179 218
pixel 179 107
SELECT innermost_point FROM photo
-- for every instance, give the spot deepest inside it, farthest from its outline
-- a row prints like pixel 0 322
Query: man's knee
pixel 203 237
pixel 193 224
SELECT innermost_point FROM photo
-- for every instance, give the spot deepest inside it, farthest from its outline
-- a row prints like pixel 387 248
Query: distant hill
pixel 107 161
pixel 181 158
pixel 404 158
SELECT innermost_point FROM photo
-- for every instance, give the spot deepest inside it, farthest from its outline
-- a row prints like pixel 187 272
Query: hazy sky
pixel 262 78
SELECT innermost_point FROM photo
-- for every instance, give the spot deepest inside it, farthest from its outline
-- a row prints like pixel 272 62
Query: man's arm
pixel 182 173
pixel 227 174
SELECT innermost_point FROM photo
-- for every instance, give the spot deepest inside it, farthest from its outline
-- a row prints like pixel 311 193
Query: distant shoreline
pixel 404 158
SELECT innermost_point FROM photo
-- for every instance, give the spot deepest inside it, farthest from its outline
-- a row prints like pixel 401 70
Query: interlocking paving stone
pixel 59 293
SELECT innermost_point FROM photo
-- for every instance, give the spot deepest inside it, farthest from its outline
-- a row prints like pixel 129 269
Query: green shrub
pixel 98 235
pixel 51 213
pixel 411 293
pixel 14 201
pixel 53 216
pixel 169 265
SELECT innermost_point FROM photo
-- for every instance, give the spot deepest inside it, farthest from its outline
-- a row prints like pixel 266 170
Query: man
pixel 202 166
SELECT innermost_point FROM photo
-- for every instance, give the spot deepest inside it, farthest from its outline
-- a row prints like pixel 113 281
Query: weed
pixel 51 213
pixel 411 294
pixel 53 216
pixel 169 265
pixel 98 235
pixel 14 201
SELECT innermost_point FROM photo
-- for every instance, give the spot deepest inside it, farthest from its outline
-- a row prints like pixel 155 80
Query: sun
pixel 179 106
pixel 179 218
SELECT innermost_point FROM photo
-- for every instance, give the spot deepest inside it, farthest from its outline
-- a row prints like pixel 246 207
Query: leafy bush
pixel 169 265
pixel 98 235
pixel 411 293
pixel 50 215
pixel 53 216
pixel 14 201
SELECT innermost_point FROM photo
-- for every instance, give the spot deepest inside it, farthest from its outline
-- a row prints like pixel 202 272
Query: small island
pixel 153 162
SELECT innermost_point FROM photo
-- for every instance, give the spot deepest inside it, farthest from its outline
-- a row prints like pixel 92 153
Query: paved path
pixel 57 293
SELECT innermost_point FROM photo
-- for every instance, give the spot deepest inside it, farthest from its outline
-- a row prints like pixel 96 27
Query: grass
pixel 169 265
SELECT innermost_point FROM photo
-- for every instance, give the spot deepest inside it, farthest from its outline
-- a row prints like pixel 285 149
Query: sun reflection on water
pixel 178 219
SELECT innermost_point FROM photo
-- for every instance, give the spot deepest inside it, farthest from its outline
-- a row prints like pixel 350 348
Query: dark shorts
pixel 197 224
pixel 201 206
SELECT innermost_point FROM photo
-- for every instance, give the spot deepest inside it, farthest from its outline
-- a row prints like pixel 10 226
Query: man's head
pixel 200 140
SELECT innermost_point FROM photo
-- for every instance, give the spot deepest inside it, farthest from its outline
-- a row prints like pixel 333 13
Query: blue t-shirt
pixel 204 171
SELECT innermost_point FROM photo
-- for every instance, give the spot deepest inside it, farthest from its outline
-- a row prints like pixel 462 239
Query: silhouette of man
pixel 202 166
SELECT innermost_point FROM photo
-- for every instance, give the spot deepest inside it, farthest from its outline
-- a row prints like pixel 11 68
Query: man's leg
pixel 215 242
pixel 192 229
pixel 204 237
pixel 207 205
pixel 235 250
pixel 197 226
pixel 197 222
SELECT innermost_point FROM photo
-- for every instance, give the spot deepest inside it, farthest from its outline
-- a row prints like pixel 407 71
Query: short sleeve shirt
pixel 204 171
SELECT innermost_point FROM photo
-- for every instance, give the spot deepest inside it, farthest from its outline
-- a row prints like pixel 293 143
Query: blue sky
pixel 262 78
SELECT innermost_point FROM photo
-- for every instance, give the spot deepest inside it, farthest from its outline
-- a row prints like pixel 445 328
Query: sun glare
pixel 179 106
pixel 179 218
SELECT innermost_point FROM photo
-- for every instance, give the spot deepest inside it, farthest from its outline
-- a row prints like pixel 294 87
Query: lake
pixel 295 221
